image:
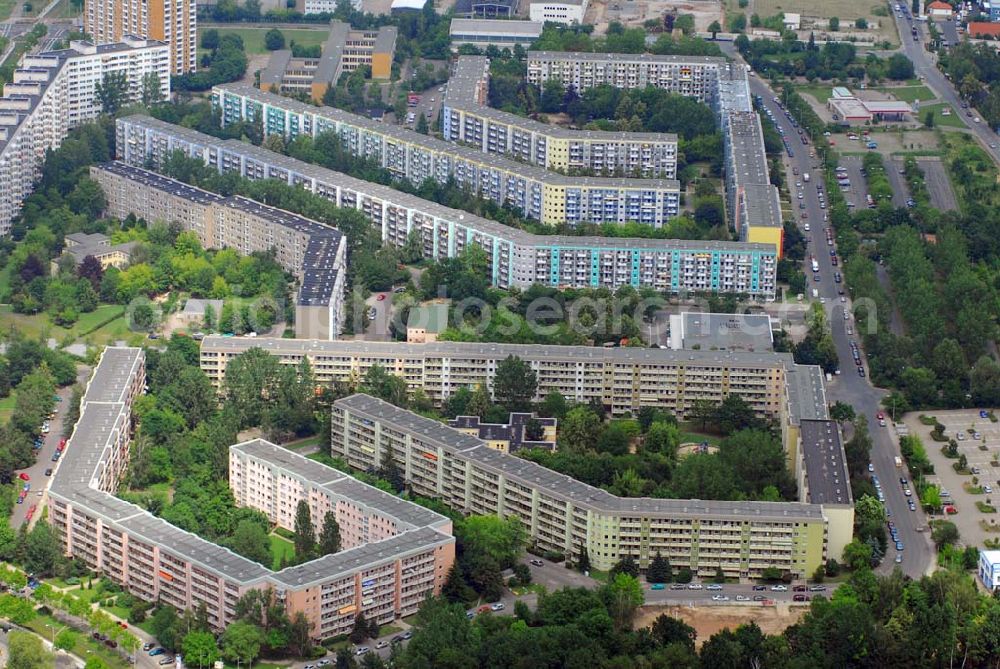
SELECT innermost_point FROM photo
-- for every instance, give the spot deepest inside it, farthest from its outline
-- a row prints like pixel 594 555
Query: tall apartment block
pixel 174 22
pixel 692 76
pixel 52 92
pixel 314 253
pixel 562 514
pixel 345 50
pixel 539 194
pixel 467 118
pixel 516 258
pixel 394 553
pixel 752 203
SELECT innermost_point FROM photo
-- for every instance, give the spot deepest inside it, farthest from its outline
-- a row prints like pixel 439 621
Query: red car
pixel 31 512
pixel 381 296
pixel 24 476
pixel 880 415
pixel 62 443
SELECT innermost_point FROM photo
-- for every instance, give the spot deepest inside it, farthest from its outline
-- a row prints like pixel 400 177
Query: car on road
pixel 167 660
pixel 899 546
pixel 779 588
pixel 48 472
pixel 536 563
pixel 678 586
pixel 381 644
pixel 759 587
pixel 899 558
pixel 742 598
pixel 713 586
pixel 694 586
pixel 498 606
pixel 759 598
pixel 800 598
pixel 799 588
pixel 323 663
pixel 658 586
pixel 157 651
pixel 361 650
pixel 24 476
pixel 720 598
pixel 817 588
pixel 148 647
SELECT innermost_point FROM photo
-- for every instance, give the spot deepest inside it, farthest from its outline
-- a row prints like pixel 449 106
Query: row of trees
pixel 834 60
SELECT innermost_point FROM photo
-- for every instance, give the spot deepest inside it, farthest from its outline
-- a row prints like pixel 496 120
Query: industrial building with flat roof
pixel 466 118
pixel 344 50
pixel 564 515
pixel 394 553
pixel 314 253
pixel 538 193
pixel 515 257
pixel 499 33
pixel 50 93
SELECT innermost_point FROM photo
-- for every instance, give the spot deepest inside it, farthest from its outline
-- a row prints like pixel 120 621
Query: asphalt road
pixel 923 64
pixel 900 189
pixel 38 481
pixel 859 187
pixel 849 387
pixel 377 329
pixel 938 185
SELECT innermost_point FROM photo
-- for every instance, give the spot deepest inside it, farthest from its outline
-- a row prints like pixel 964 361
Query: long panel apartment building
pixel 752 203
pixel 516 258
pixel 692 76
pixel 538 193
pixel 394 553
pixel 562 514
pixel 314 253
pixel 622 379
pixel 467 118
pixel 54 91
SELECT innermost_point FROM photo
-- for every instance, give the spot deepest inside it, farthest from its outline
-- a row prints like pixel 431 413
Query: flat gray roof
pixel 825 462
pixel 806 393
pixel 108 382
pixel 489 350
pixel 559 56
pixel 487 27
pixel 399 198
pixel 730 332
pixel 566 488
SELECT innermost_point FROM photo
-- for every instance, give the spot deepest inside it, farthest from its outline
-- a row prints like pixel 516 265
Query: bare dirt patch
pixel 631 13
pixel 707 620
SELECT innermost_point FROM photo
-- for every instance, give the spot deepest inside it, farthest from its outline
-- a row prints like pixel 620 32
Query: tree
pixel 251 541
pixel 626 565
pixel 305 535
pixel 329 537
pixel 515 384
pixel 274 40
pixel 455 588
pixel 583 560
pixel 66 639
pixel 164 625
pixel 659 570
pixel 422 126
pixel 861 23
pixel 842 412
pixel 945 533
pixel 929 118
pixel 210 39
pixel 25 651
pixel 579 430
pixel 622 595
pixel 499 538
pixel 360 630
pixel 41 550
pixel 857 555
pixel 112 91
pixel 241 642
pixel 152 90
pixel 714 28
pixel 200 649
pixel 834 24
pixel 668 630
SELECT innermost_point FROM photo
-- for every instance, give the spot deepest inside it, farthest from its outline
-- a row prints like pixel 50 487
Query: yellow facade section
pixel 557 153
pixel 758 234
pixel 554 210
pixel 381 65
pixel 813 537
pixel 840 528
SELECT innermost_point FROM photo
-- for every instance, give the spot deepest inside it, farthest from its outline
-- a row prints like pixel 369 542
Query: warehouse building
pixel 314 253
pixel 539 194
pixel 502 34
pixel 516 258
pixel 467 119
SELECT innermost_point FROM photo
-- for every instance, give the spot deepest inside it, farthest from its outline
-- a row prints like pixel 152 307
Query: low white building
pixel 989 569
pixel 792 21
pixel 558 11
pixel 499 33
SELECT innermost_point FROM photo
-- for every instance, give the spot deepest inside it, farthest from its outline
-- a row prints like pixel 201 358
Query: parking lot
pixel 900 189
pixel 858 190
pixel 938 184
pixel 981 484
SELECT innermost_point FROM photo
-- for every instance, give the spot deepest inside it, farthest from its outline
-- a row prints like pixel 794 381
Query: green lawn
pixel 40 325
pixel 910 93
pixel 7 407
pixel 45 626
pixel 302 443
pixel 954 120
pixel 820 93
pixel 253 38
pixel 281 549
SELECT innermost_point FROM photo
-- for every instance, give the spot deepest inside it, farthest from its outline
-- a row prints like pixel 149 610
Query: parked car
pixel 152 653
pixel 657 586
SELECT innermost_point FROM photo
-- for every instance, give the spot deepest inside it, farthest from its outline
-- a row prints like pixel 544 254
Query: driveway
pixel 900 189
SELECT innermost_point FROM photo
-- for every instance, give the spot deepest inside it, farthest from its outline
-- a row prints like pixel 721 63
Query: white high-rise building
pixel 55 91
pixel 172 21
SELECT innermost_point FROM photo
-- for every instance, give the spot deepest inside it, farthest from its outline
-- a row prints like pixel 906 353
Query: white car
pixel 720 598
pixel 742 598
pixel 779 588
pixel 381 644
pixel 499 606
pixel 694 586
pixel 361 650
pixel 713 586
